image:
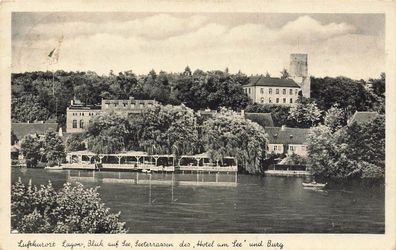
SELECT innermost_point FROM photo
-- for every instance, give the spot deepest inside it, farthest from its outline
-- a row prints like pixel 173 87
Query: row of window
pixel 125 105
pixel 284 91
pixel 83 114
pixel 291 148
pixel 75 123
pixel 277 100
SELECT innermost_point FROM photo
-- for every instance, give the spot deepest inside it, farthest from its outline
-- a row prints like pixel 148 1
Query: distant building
pixel 363 117
pixel 299 73
pixel 283 140
pixel 126 106
pixel 273 90
pixel 78 116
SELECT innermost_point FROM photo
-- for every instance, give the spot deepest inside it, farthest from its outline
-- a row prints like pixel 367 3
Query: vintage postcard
pixel 197 125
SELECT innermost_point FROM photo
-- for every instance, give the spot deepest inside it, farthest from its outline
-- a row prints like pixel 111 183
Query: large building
pixel 263 89
pixel 78 115
pixel 273 90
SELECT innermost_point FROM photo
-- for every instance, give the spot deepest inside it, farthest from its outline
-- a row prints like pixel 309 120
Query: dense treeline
pixel 45 95
pixel 353 151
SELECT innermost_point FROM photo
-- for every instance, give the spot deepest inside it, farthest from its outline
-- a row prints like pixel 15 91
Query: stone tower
pixel 299 72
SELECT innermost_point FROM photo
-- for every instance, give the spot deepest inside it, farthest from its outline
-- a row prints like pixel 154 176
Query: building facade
pixel 126 106
pixel 78 116
pixel 270 90
pixel 283 140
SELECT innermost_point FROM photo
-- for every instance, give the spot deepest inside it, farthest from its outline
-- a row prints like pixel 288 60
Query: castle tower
pixel 299 72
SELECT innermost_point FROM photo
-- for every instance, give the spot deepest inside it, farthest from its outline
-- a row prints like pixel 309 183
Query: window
pixel 81 123
pixel 284 100
pixel 82 114
pixel 74 123
pixel 277 91
pixel 291 100
pixel 291 148
pixel 284 91
pixel 270 91
pixel 275 148
pixel 277 100
pixel 290 91
pixel 296 92
pixel 261 90
pixel 249 90
pixel 269 100
pixel 262 100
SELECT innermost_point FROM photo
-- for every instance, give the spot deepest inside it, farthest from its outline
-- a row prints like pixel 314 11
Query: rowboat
pixel 314 184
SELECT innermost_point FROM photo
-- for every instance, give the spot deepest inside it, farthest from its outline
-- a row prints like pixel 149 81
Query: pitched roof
pixel 23 129
pixel 278 135
pixel 263 119
pixel 363 117
pixel 271 82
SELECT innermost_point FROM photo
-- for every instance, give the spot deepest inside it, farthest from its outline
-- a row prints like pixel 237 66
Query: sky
pixel 350 45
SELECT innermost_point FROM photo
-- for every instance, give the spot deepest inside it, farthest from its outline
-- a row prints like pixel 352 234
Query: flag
pixel 53 56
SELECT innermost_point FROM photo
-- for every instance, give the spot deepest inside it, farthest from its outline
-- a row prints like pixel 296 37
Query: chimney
pixel 71 102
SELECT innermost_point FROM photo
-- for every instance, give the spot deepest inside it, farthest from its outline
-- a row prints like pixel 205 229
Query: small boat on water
pixel 314 184
pixel 146 171
pixel 54 168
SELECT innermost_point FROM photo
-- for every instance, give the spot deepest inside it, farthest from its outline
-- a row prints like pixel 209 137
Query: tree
pixel 378 85
pixel 72 209
pixel 354 151
pixel 335 118
pixel 31 150
pixel 284 74
pixel 166 130
pixel 229 134
pixel 304 114
pixel 108 133
pixel 349 94
pixel 75 142
pixel 54 148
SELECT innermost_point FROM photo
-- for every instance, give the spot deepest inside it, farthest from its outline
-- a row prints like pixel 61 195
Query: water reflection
pixel 206 203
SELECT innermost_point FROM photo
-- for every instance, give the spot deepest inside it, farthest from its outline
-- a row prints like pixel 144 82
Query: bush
pixel 72 209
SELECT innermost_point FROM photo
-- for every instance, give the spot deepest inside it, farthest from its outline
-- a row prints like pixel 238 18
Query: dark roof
pixel 363 117
pixel 81 107
pixel 277 135
pixel 23 129
pixel 263 119
pixel 271 82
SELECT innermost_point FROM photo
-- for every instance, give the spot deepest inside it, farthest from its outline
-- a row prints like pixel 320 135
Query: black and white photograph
pixel 197 122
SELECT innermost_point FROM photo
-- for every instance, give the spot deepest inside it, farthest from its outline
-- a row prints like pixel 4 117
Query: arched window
pixel 270 91
pixel 74 123
pixel 81 123
pixel 277 91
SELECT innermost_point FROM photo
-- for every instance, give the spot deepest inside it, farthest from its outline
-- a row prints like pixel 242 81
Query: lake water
pixel 210 203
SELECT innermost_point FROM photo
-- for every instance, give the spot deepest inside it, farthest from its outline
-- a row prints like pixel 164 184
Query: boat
pixel 54 168
pixel 314 184
pixel 146 171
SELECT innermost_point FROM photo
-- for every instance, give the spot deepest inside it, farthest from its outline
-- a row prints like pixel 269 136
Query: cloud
pixel 170 42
